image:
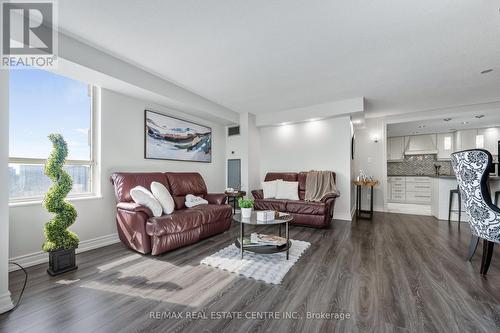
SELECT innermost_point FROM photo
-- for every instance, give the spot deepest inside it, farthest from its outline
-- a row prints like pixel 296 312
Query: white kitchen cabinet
pixel 418 190
pixel 444 145
pixel 491 136
pixel 397 189
pixel 465 139
pixel 395 148
pixel 409 189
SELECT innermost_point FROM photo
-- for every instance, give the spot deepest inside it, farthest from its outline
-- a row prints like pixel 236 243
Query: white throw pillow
pixel 142 196
pixel 269 188
pixel 287 190
pixel 163 196
pixel 193 201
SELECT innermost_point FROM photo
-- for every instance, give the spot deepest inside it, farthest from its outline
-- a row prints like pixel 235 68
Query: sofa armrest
pixel 216 198
pixel 329 196
pixel 258 194
pixel 134 207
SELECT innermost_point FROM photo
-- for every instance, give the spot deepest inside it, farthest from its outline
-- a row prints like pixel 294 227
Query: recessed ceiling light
pixel 489 70
pixel 465 122
pixel 447 119
pixel 479 116
pixel 421 126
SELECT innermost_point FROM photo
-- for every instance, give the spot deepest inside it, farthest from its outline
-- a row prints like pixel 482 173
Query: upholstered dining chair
pixel 471 169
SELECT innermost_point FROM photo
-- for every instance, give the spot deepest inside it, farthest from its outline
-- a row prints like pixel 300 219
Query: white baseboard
pixel 41 257
pixel 5 302
pixel 343 216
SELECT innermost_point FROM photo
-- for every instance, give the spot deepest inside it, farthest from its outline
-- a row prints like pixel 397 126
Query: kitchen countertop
pixel 444 176
pixel 440 176
pixel 419 176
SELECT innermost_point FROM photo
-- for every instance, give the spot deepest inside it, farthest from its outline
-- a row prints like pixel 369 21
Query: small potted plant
pixel 60 243
pixel 246 206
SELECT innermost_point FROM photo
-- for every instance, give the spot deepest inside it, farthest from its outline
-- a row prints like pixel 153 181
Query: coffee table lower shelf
pixel 268 249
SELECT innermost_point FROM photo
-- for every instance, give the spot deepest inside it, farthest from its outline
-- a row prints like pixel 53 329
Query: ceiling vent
pixel 235 130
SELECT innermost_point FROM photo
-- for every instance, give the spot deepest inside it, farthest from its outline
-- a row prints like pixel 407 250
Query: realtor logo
pixel 28 35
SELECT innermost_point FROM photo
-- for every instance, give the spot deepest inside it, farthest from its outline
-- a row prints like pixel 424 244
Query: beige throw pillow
pixel 287 190
pixel 269 188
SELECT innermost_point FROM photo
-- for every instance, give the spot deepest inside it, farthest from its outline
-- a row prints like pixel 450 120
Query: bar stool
pixel 457 192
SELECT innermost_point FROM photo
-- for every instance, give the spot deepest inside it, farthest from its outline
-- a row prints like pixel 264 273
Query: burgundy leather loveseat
pixel 144 233
pixel 311 214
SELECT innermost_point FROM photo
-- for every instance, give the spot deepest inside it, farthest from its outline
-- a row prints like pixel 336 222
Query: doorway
pixel 234 173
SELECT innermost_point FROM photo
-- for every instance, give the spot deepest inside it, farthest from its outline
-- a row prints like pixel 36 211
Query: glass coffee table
pixel 284 220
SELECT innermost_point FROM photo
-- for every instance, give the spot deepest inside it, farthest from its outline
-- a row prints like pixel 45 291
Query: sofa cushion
pixel 214 213
pixel 270 204
pixel 178 221
pixel 184 183
pixel 287 176
pixel 302 184
pixel 124 182
pixel 303 207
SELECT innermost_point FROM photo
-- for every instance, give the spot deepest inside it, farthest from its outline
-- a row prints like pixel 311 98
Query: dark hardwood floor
pixel 402 273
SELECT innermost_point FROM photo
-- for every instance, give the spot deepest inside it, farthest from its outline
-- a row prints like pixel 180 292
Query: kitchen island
pixel 440 188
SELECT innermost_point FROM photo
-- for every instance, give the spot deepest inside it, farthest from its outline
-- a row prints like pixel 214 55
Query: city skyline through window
pixel 41 103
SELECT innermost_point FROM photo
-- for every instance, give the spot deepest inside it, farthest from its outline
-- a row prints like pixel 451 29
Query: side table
pixel 235 196
pixel 361 213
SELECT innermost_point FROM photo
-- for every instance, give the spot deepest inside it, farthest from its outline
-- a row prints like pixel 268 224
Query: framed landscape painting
pixel 169 138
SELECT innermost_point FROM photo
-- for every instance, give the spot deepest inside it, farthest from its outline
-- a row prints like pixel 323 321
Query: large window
pixel 42 103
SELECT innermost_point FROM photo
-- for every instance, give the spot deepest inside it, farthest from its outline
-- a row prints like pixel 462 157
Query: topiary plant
pixel 57 237
pixel 245 203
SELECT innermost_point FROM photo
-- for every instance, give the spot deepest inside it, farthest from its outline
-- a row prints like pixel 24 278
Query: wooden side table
pixel 235 196
pixel 360 213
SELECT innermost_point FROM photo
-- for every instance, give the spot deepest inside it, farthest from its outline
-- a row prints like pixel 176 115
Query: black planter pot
pixel 61 261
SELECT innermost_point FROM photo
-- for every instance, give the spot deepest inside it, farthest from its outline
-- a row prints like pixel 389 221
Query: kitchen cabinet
pixel 418 190
pixel 491 136
pixel 395 148
pixel 397 189
pixel 444 146
pixel 410 189
pixel 465 139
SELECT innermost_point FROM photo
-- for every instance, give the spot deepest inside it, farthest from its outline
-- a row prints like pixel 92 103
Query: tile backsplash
pixel 418 165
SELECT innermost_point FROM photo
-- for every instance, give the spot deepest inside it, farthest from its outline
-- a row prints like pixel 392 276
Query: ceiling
pixel 464 120
pixel 264 56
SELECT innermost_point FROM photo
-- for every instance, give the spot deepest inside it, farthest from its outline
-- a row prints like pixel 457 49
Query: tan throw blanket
pixel 319 184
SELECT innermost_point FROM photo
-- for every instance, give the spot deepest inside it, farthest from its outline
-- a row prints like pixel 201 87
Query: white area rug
pixel 270 268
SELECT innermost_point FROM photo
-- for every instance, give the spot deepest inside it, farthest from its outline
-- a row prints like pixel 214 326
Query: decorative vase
pixel 61 261
pixel 246 213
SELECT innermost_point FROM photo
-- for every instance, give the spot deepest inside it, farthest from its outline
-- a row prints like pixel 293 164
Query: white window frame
pixel 91 163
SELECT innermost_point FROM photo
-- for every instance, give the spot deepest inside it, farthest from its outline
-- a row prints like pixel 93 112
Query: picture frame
pixel 171 138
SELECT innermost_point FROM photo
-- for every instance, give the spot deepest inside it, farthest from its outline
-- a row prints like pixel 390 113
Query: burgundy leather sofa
pixel 144 233
pixel 311 214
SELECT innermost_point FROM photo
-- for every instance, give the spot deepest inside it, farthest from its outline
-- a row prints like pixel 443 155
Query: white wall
pixel 5 300
pixel 316 145
pixel 246 147
pixel 254 154
pixel 370 157
pixel 122 149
